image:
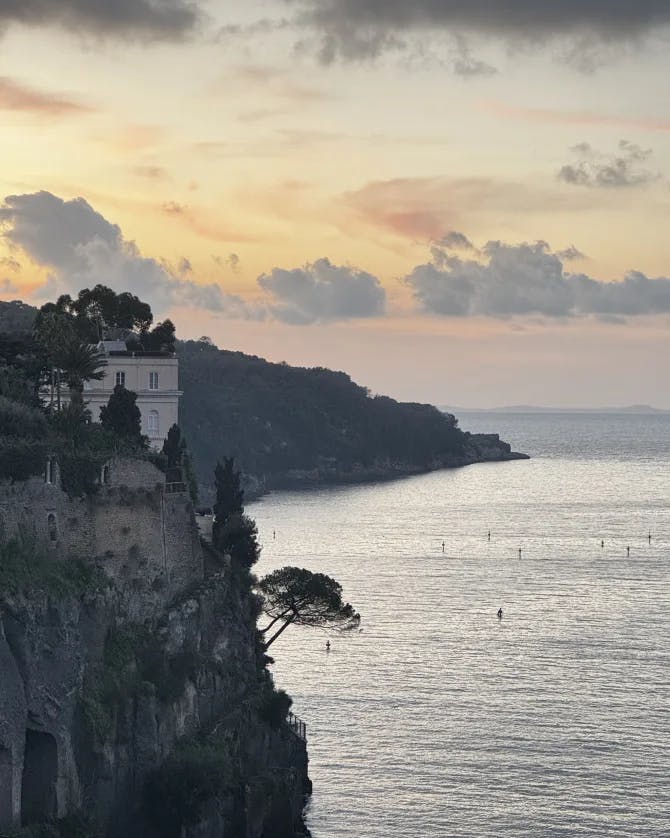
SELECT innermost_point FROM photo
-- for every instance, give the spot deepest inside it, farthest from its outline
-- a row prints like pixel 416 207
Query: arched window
pixel 49 472
pixel 152 422
pixel 104 476
pixel 52 527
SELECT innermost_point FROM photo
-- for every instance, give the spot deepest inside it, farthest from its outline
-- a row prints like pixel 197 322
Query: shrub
pixel 80 474
pixel 23 570
pixel 174 793
pixel 20 420
pixel 274 707
pixel 21 458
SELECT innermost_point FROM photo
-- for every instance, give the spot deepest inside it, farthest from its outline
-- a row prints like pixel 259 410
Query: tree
pixel 122 416
pixel 160 339
pixel 295 595
pixel 229 493
pixel 172 447
pixel 80 362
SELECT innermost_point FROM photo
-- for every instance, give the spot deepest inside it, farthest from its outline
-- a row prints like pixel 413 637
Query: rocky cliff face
pixel 163 724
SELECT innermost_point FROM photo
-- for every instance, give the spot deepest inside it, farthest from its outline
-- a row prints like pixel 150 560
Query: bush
pixel 21 458
pixel 20 420
pixel 274 707
pixel 80 474
pixel 174 793
pixel 23 570
pixel 76 825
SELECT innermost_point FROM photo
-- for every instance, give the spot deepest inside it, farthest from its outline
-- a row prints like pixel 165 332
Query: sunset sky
pixel 457 201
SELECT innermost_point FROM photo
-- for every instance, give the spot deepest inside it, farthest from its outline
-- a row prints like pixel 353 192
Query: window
pixel 121 379
pixel 152 422
pixel 52 526
pixel 153 381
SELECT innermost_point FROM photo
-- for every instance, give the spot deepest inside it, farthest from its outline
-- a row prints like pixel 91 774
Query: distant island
pixel 636 409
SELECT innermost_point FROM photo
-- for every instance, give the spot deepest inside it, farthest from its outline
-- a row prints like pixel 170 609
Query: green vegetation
pixel 273 418
pixel 134 661
pixel 196 772
pixel 121 416
pixel 294 595
pixel 23 571
pixel 76 825
pixel 233 532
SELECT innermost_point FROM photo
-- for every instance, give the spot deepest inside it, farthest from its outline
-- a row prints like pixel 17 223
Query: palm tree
pixel 80 362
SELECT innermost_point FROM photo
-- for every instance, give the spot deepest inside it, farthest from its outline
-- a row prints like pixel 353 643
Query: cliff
pixel 133 687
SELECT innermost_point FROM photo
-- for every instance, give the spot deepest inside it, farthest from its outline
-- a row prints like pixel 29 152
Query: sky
pixel 463 202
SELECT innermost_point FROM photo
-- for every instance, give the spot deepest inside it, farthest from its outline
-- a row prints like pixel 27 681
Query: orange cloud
pixel 15 96
pixel 426 208
pixel 575 117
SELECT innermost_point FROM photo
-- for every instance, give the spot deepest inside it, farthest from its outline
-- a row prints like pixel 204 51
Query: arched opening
pixel 49 471
pixel 52 527
pixel 40 774
pixel 104 477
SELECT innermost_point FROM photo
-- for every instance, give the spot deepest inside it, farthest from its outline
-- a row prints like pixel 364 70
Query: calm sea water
pixel 439 720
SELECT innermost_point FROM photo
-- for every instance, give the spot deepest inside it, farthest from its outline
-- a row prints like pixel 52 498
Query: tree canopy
pixel 295 595
pixel 121 415
pixel 233 532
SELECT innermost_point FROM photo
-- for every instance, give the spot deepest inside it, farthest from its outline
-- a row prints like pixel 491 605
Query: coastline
pixel 481 448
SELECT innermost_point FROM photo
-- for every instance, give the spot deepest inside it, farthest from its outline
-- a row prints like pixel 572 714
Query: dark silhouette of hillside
pixel 294 426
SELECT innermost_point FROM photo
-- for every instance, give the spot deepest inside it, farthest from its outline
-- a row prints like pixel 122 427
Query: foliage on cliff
pixel 274 418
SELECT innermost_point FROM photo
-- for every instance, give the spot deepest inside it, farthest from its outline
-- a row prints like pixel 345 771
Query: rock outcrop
pixel 136 694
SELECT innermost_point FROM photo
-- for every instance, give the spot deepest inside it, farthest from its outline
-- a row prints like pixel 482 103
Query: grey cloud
pixel 359 29
pixel 596 169
pixel 81 248
pixel 454 240
pixel 529 279
pixel 139 19
pixel 321 292
pixel 570 254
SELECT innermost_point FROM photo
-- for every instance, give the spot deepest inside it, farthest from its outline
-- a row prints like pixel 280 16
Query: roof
pixel 112 346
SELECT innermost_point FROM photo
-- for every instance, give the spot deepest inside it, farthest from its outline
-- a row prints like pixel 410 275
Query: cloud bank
pixel 528 279
pixel 359 29
pixel 81 248
pixel 321 292
pixel 623 169
pixel 150 20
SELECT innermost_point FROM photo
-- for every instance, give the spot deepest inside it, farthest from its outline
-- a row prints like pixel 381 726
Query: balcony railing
pixel 296 724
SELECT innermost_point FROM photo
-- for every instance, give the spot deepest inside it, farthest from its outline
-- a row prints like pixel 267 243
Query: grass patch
pixel 23 570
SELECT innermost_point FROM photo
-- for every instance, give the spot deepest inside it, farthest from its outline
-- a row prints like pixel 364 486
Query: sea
pixel 438 718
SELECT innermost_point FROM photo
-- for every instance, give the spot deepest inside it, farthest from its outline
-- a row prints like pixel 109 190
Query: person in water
pixel 500 613
pixel 327 645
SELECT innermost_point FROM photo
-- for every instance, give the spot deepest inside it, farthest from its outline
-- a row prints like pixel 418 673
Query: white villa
pixel 154 376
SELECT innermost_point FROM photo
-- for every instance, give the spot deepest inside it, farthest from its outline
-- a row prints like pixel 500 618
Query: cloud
pixel 151 172
pixel 620 170
pixel 425 208
pixel 361 29
pixel 563 117
pixel 455 241
pixel 570 254
pixel 529 279
pixel 321 292
pixel 143 20
pixel 15 96
pixel 81 248
pixel 10 264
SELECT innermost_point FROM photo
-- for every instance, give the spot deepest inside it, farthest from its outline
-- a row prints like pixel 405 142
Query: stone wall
pixel 145 539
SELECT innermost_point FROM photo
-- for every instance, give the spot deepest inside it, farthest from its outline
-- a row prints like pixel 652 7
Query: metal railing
pixel 296 724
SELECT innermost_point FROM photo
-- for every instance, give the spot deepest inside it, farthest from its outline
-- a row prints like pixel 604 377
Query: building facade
pixel 154 376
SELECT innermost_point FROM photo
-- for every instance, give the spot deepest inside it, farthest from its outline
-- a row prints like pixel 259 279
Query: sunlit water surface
pixel 439 720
